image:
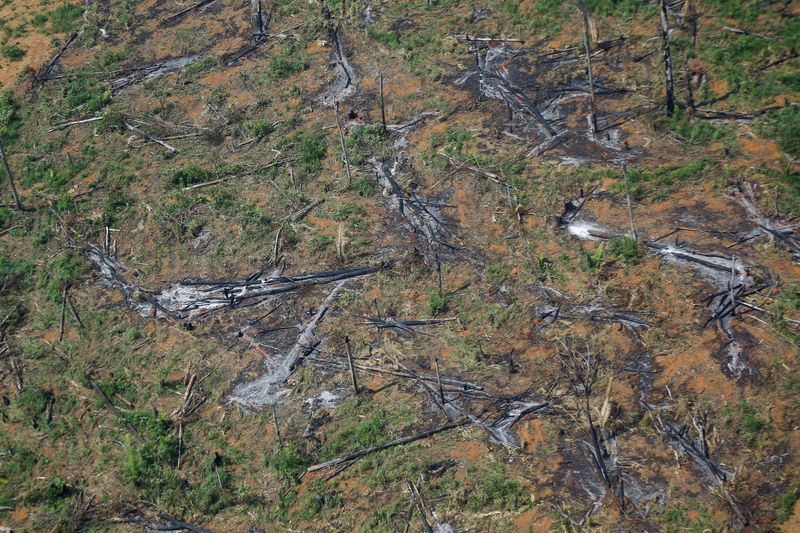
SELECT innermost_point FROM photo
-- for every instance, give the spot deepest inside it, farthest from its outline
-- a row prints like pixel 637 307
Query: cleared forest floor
pixel 400 266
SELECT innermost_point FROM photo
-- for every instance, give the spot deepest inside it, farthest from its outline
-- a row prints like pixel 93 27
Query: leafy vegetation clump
pixel 310 149
pixel 66 18
pixel 496 490
pixel 149 466
pixel 288 62
pixel 9 121
pixel 289 461
pixel 786 502
pixel 437 303
pixel 190 175
pixel 13 52
pixel 627 250
pixel 783 126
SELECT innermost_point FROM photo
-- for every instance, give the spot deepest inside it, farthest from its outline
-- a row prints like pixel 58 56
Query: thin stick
pixel 10 179
pixel 587 46
pixel 352 367
pixel 383 108
pixel 341 140
pixel 630 207
pixel 405 440
pixel 63 312
pixel 439 381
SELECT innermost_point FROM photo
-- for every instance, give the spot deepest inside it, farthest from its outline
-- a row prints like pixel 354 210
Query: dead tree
pixel 667 60
pixel 13 187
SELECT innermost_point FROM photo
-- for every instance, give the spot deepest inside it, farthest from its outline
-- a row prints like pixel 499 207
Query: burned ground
pixel 304 265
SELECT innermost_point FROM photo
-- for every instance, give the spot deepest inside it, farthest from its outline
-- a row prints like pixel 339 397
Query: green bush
pixel 14 273
pixel 497 273
pixel 190 175
pixel 9 121
pixel 13 52
pixel 64 270
pixel 289 461
pixel 66 18
pixel 85 93
pixel 148 466
pixel 310 149
pixel 364 434
pixel 437 303
pixel 751 426
pixel 496 491
pixel 627 250
pixel 288 62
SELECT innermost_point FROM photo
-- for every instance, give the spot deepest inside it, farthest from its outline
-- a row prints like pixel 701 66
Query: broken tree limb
pixel 75 122
pixel 63 312
pixel 397 442
pixel 412 489
pixel 670 101
pixel 263 391
pixel 341 141
pixel 628 198
pixel 404 325
pixel 383 107
pixel 351 365
pixel 114 409
pixel 226 178
pixel 10 176
pixel 43 74
pixel 299 215
pixel 261 21
pixel 173 524
pixel 150 138
pixel 179 14
pixel 74 311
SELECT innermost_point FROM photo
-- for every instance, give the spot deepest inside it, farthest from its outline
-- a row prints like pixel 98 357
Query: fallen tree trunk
pixel 397 442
